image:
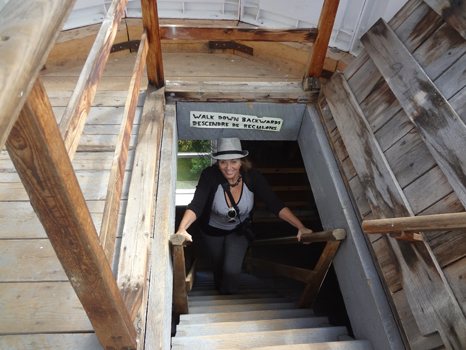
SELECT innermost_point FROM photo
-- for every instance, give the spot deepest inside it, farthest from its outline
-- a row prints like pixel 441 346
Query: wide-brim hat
pixel 229 148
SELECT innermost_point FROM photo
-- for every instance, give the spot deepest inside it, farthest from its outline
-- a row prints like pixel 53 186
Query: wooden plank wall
pixel 37 298
pixel 440 50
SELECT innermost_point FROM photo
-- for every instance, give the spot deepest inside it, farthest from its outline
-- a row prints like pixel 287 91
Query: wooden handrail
pixel 115 183
pixel 25 47
pixel 75 115
pixel 324 236
pixel 438 222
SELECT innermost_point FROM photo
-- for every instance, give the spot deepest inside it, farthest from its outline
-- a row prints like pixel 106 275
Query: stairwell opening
pixel 282 165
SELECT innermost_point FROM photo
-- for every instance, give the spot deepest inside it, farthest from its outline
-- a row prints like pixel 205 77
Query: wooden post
pixel 313 286
pixel 28 31
pixel 324 31
pixel 150 21
pixel 74 117
pixel 40 158
pixel 180 294
pixel 117 173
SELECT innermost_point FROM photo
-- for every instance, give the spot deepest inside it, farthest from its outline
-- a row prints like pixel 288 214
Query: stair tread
pixel 233 296
pixel 244 316
pixel 241 307
pixel 340 345
pixel 212 291
pixel 248 340
pixel 250 326
pixel 198 303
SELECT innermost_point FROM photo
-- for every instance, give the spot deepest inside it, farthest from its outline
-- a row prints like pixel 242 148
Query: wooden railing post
pixel 320 271
pixel 180 293
pixel 324 31
pixel 40 158
pixel 150 21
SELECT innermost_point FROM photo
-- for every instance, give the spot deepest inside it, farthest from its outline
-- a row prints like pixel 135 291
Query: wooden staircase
pixel 257 317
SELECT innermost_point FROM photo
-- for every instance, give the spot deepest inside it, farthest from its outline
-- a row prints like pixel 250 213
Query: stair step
pixel 240 291
pixel 244 316
pixel 250 326
pixel 207 303
pixel 339 345
pixel 233 296
pixel 238 308
pixel 249 340
pixel 240 286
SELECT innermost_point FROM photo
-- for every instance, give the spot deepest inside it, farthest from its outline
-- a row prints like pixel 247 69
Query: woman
pixel 218 217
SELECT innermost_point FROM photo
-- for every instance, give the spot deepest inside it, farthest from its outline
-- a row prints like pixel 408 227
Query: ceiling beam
pixel 177 32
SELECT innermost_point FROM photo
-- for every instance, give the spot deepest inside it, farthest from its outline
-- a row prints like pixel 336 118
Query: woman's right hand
pixel 185 234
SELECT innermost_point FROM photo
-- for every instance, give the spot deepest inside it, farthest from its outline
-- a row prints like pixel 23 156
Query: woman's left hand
pixel 301 231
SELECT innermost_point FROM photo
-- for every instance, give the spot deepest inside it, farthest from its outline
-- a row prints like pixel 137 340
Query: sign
pixel 215 120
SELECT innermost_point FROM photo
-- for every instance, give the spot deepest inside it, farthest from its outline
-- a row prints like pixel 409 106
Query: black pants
pixel 226 256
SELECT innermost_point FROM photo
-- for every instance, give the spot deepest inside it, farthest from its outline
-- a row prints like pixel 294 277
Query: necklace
pixel 237 182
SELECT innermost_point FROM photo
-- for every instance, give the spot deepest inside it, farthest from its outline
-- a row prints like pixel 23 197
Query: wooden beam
pixel 74 117
pixel 216 91
pixel 324 31
pixel 453 12
pixel 177 32
pixel 135 243
pixel 108 228
pixel 440 222
pixel 432 301
pixel 25 47
pixel 295 273
pixel 36 148
pixel 150 21
pixel 191 275
pixel 442 130
pixel 159 311
pixel 324 236
pixel 180 291
pixel 320 271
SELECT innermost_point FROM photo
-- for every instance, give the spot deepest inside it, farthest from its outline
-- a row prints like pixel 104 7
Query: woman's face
pixel 230 168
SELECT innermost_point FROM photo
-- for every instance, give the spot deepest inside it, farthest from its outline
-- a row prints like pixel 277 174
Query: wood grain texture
pixel 108 228
pixel 29 260
pixel 324 31
pixel 430 296
pixel 217 91
pixel 24 49
pixel 74 117
pixel 180 292
pixel 43 307
pixel 36 148
pixel 438 124
pixel 453 12
pixel 134 256
pixel 159 316
pixel 150 21
pixel 177 32
pixel 50 341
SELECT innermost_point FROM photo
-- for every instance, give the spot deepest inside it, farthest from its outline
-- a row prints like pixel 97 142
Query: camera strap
pixel 226 188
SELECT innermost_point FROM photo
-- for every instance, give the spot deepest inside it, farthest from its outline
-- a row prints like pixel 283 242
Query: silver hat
pixel 229 148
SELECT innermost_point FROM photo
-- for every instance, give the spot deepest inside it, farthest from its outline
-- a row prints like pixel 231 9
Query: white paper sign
pixel 233 121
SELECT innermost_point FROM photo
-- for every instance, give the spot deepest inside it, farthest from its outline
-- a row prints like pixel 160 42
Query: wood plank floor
pixel 38 307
